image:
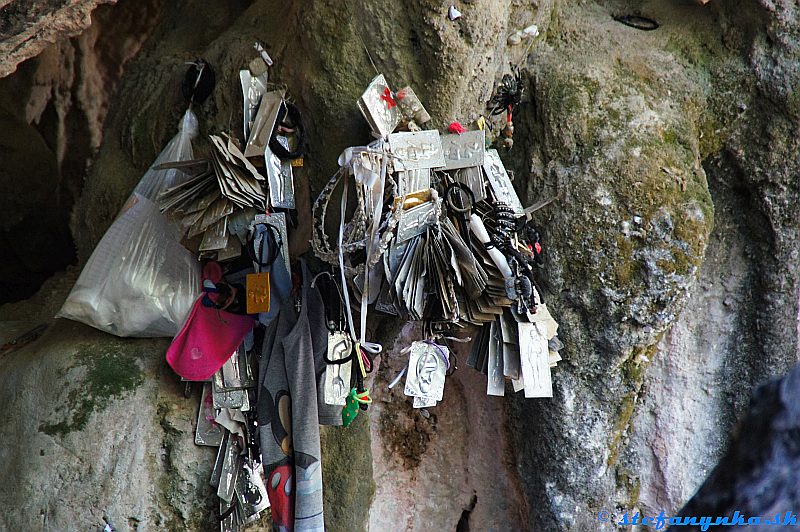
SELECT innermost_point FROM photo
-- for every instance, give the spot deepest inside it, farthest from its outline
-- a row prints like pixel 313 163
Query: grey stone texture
pixel 671 260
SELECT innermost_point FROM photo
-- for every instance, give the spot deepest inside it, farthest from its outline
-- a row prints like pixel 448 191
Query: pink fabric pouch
pixel 208 338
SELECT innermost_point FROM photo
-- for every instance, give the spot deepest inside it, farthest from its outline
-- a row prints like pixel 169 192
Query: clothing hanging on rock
pixel 289 408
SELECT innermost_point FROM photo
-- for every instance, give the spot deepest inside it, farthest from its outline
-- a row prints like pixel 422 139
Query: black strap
pixel 339 361
pixel 255 254
pixel 291 111
pixel 457 190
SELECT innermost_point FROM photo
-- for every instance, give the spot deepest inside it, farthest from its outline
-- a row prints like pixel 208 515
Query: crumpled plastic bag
pixel 140 281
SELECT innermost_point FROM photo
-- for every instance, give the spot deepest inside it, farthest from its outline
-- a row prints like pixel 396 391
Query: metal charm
pixel 231 462
pixel 385 302
pixel 208 431
pixel 251 491
pixel 231 399
pixel 253 87
pixel 464 150
pixel 500 182
pixel 281 181
pixel 420 149
pixel 379 107
pixel 409 181
pixel 426 371
pixel 495 383
pixel 216 473
pixel 263 124
pixel 231 521
pixel 411 106
pixel 424 402
pixel 414 221
pixel 227 389
pixel 337 376
pixel 535 364
pixel 216 236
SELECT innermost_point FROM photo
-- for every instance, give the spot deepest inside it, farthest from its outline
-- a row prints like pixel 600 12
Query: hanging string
pixel 358 34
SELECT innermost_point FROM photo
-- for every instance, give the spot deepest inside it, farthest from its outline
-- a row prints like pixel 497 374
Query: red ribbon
pixel 387 97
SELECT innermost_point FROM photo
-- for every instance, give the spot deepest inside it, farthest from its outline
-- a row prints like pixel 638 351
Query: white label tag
pixel 495 383
pixel 535 364
pixel 337 376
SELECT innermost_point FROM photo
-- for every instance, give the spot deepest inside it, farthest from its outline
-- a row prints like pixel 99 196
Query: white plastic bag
pixel 140 280
pixel 154 182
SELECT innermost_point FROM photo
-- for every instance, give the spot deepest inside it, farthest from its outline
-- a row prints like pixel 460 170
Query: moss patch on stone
pixel 107 375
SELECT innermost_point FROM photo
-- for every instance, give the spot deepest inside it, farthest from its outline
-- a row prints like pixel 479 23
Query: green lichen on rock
pixel 632 485
pixel 105 375
pixel 644 201
pixel 347 474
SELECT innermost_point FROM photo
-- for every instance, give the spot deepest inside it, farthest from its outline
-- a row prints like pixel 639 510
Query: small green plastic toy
pixel 353 404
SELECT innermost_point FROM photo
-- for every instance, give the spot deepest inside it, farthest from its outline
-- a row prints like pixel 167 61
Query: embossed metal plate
pixel 420 149
pixel 337 376
pixel 379 107
pixel 424 402
pixel 414 221
pixel 534 358
pixel 464 150
pixel 208 431
pixel 426 371
pixel 264 123
pixel 500 182
pixel 409 181
pixel 231 463
pixel 411 106
pixel 281 181
pixel 250 489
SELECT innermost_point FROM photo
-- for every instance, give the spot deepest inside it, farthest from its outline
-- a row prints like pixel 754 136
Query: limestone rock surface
pixel 671 262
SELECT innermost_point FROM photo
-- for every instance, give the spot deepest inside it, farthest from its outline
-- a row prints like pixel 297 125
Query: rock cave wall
pixel 671 250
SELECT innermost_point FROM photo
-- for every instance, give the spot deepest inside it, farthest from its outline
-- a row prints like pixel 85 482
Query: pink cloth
pixel 207 341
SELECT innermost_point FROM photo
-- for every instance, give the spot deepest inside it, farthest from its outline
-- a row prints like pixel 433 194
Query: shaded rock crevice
pixel 53 109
